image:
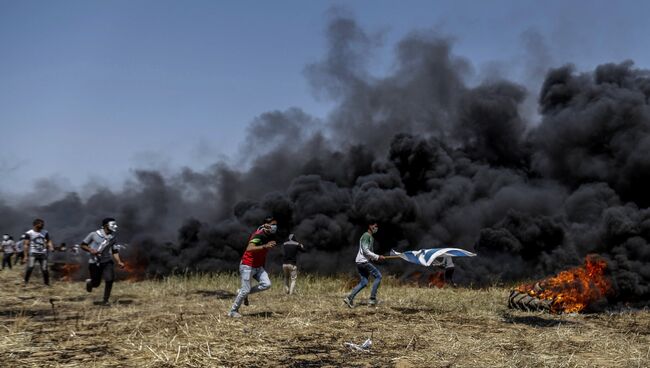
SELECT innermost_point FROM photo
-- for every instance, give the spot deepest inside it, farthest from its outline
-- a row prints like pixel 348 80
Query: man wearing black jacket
pixel 290 250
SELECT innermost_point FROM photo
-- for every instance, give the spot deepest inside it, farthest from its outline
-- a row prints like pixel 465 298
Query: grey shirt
pixel 102 242
pixel 8 246
pixel 37 241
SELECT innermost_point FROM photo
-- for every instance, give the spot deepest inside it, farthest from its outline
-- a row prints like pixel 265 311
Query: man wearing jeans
pixel 252 264
pixel 364 260
pixel 37 245
pixel 9 248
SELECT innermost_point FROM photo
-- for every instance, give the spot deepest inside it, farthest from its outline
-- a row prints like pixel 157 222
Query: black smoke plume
pixel 435 160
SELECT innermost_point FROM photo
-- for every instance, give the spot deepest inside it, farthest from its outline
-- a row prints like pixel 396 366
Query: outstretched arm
pixel 365 249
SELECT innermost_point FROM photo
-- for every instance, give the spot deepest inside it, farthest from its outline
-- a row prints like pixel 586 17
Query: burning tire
pixel 525 302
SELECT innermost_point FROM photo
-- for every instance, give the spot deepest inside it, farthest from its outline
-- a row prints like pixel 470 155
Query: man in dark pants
pixel 9 248
pixel 37 245
pixel 101 245
pixel 20 246
pixel 364 260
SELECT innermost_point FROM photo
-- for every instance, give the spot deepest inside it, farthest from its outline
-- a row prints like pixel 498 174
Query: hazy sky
pixel 92 89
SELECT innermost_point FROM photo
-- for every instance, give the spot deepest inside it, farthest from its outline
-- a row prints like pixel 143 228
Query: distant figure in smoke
pixel 20 246
pixel 449 267
pixel 290 250
pixel 9 248
pixel 36 247
pixel 364 260
pixel 101 244
pixel 252 264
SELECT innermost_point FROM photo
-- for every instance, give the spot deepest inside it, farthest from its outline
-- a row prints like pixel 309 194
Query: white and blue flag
pixel 427 257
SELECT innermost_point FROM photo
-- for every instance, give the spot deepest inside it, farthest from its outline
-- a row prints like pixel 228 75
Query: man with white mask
pixel 9 248
pixel 103 249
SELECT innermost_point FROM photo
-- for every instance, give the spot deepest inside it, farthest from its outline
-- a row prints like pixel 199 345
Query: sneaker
pixel 89 286
pixel 105 303
pixel 348 302
pixel 234 314
pixel 372 302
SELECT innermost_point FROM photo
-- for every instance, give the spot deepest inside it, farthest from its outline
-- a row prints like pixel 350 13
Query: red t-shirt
pixel 256 258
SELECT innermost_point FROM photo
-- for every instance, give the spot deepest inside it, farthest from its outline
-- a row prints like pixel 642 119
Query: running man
pixel 252 264
pixel 103 249
pixel 290 250
pixel 36 248
pixel 9 248
pixel 364 260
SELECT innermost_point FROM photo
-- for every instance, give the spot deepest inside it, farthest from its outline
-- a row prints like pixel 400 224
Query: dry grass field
pixel 181 322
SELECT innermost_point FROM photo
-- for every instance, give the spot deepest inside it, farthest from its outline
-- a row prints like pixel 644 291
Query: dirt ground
pixel 181 322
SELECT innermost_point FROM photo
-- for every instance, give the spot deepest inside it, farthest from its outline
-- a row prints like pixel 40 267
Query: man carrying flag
pixel 364 260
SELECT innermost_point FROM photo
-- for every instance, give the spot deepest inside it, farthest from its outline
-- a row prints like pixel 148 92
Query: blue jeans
pixel 365 270
pixel 246 272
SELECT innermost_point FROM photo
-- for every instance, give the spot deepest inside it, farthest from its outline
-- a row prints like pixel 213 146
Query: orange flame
pixel 436 280
pixel 68 271
pixel 419 279
pixel 134 271
pixel 573 290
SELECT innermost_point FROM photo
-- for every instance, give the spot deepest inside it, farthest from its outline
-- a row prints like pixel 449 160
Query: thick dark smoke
pixel 435 160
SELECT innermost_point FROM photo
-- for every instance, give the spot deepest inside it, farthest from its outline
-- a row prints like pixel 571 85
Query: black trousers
pixel 449 274
pixel 6 260
pixel 99 271
pixel 31 262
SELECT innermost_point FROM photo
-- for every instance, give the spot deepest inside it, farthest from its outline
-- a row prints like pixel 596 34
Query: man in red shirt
pixel 252 263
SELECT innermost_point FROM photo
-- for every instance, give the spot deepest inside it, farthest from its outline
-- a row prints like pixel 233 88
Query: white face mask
pixel 5 237
pixel 112 226
pixel 274 229
pixel 374 229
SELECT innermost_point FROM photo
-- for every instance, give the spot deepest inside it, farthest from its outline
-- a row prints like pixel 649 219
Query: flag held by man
pixel 427 257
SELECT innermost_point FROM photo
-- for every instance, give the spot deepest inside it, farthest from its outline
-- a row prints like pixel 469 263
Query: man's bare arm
pixel 252 246
pixel 117 258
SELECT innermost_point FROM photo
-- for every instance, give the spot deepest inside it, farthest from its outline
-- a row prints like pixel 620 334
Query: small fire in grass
pixel 134 271
pixel 569 291
pixel 425 279
pixel 68 271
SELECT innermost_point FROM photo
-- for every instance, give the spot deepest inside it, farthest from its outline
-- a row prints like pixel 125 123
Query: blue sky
pixel 90 90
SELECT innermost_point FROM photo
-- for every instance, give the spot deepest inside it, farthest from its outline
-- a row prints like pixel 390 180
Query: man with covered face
pixel 252 264
pixel 103 249
pixel 37 244
pixel 364 260
pixel 9 248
